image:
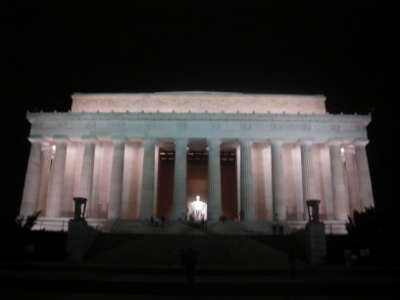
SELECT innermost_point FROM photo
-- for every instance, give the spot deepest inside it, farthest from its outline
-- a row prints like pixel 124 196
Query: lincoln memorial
pixel 246 157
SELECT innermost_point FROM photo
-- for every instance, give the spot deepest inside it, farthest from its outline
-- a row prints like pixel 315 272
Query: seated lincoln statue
pixel 197 210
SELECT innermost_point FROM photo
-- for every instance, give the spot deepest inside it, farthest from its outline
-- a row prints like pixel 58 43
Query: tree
pixel 29 223
pixel 376 230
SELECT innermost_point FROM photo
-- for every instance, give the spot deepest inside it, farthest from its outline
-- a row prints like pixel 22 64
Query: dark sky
pixel 345 50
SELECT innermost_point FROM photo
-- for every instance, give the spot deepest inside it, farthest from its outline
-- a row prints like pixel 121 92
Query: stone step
pixel 192 228
pixel 213 250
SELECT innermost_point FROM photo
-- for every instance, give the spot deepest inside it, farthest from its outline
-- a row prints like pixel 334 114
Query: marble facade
pixel 107 149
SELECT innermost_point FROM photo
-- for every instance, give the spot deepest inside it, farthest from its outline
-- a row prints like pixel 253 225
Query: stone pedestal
pixel 80 236
pixel 77 242
pixel 315 242
pixel 312 238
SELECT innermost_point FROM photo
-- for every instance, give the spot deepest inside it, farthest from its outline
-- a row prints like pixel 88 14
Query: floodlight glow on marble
pixel 112 147
pixel 199 102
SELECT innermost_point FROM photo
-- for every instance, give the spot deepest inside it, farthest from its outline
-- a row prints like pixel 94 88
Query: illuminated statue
pixel 197 209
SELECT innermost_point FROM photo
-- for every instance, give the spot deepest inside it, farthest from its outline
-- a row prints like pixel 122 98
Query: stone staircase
pixel 222 245
pixel 192 228
pixel 164 250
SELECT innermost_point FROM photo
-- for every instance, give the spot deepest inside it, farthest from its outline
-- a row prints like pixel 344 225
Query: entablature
pixel 127 116
pixel 198 125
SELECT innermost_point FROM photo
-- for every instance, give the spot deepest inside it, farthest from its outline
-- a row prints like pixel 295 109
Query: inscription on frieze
pixel 90 124
pixel 306 127
pixel 215 125
pixel 150 124
pixel 334 127
pixel 181 125
pixel 117 124
pixel 275 126
pixel 245 126
pixel 62 124
pixel 359 127
pixel 37 124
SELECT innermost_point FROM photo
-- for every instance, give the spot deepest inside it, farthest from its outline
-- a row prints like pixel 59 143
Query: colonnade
pixel 45 177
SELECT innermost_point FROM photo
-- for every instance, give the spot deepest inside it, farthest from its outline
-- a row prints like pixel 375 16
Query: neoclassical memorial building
pixel 249 157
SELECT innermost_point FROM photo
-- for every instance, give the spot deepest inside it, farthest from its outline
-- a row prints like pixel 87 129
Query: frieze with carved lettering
pixel 215 125
pixel 245 126
pixel 276 126
pixel 117 124
pixel 359 127
pixel 150 124
pixel 62 124
pixel 90 124
pixel 334 127
pixel 306 127
pixel 37 124
pixel 181 125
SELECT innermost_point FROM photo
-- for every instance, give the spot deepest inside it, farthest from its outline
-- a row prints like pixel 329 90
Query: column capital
pixel 181 142
pixel 246 142
pixel 63 139
pixel 360 142
pixel 214 142
pixel 46 146
pixel 36 139
pixel 118 139
pixel 335 141
pixel 275 142
pixel 306 140
pixel 89 138
pixel 149 141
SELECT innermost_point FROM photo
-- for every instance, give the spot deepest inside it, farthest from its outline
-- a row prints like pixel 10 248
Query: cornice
pixel 143 116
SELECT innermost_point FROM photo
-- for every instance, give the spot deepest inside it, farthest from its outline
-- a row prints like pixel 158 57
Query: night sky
pixel 345 50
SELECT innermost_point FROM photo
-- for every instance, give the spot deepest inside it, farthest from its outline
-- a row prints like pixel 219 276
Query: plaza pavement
pixel 24 279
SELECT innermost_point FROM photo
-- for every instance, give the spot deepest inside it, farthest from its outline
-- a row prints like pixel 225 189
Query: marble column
pixel 340 198
pixel 298 184
pixel 86 182
pixel 148 180
pixel 352 179
pixel 214 180
pixel 117 171
pixel 266 153
pixel 57 174
pixel 32 179
pixel 45 164
pixel 180 179
pixel 364 179
pixel 308 176
pixel 246 182
pixel 278 180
